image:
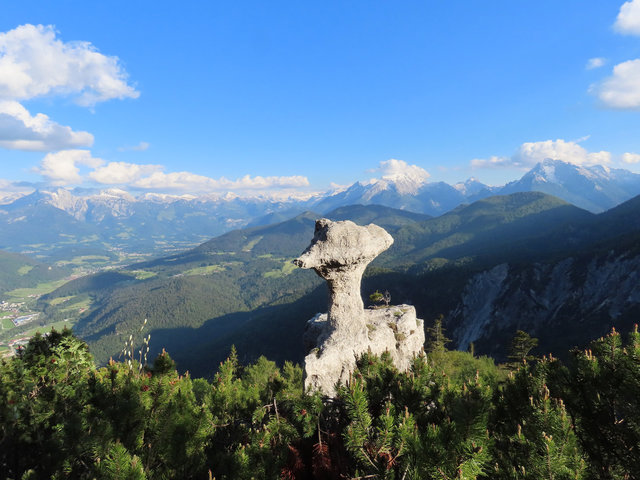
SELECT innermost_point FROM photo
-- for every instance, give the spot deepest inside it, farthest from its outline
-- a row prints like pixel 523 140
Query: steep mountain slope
pixel 564 302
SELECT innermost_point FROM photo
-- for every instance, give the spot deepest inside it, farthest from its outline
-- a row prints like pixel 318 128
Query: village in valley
pixel 15 314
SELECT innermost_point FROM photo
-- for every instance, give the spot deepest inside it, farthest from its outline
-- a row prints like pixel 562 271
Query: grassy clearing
pixel 59 300
pixel 40 289
pixel 47 328
pixel 23 270
pixel 249 246
pixel 85 260
pixel 285 270
pixel 142 274
pixel 7 324
pixel 77 306
pixel 204 270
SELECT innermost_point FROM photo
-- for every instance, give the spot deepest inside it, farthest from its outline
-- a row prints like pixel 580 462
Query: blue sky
pixel 265 96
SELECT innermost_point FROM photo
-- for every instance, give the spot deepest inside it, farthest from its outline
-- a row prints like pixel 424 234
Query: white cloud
pixel 75 167
pixel 141 147
pixel 34 63
pixel 122 173
pixel 406 178
pixel 62 168
pixel 10 191
pixel 530 153
pixel 631 158
pixel 628 20
pixel 191 182
pixel 394 170
pixel 492 162
pixel 595 63
pixel 21 131
pixel 622 89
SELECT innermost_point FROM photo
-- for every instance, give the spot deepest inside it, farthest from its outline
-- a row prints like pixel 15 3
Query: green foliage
pixel 521 345
pixel 376 297
pixel 451 415
pixel 601 388
pixel 534 434
pixel 119 464
pixel 436 341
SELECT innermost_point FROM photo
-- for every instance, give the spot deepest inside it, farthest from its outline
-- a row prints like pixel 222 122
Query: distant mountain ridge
pixel 57 224
pixel 596 188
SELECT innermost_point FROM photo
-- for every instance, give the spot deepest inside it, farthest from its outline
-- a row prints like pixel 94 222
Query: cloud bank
pixel 19 130
pixel 192 183
pixel 115 173
pixel 531 153
pixel 34 63
pixel 62 168
pixel 79 167
pixel 628 20
pixel 622 89
pixel 631 158
pixel 399 169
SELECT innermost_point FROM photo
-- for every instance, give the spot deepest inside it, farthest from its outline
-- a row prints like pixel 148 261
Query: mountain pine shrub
pixel 451 416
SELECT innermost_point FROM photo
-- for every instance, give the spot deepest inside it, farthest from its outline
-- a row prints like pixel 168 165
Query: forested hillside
pixel 19 271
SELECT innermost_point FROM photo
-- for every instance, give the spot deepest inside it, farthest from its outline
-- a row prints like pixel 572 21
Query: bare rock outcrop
pixel 339 253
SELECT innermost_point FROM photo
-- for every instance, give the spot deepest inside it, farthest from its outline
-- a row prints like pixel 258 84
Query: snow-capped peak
pixel 470 187
pixel 117 193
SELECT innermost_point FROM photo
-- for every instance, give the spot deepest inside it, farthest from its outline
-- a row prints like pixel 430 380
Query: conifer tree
pixel 521 344
pixel 436 341
pixel 601 388
pixel 534 434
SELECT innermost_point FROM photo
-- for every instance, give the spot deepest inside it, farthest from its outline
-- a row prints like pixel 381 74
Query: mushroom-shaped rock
pixel 339 253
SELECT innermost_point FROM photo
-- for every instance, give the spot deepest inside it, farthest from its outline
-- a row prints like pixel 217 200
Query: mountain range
pixel 497 258
pixel 62 224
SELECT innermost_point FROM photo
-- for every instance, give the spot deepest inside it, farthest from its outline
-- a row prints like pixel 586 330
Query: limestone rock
pixel 339 253
pixel 393 329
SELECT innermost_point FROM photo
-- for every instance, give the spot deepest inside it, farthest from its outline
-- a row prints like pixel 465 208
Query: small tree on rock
pixel 376 298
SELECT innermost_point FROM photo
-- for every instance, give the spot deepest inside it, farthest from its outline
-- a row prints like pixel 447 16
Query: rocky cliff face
pixel 566 302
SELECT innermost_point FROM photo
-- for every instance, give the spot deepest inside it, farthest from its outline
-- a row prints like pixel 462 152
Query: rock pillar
pixel 339 253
